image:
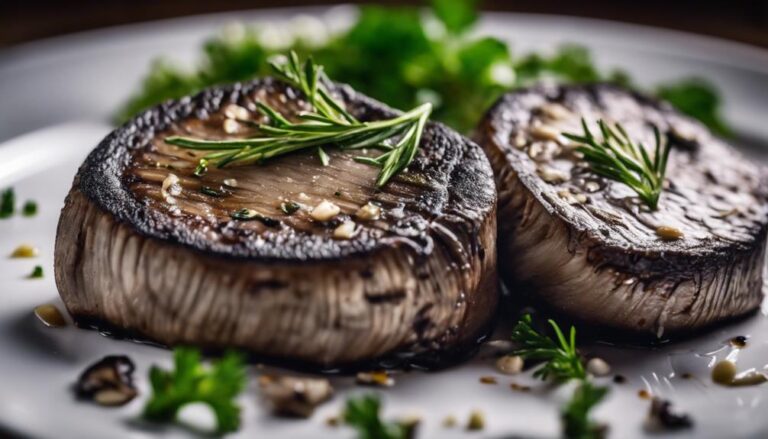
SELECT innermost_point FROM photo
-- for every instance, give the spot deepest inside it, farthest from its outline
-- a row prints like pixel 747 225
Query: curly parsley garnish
pixel 561 360
pixel 362 413
pixel 618 158
pixel 191 382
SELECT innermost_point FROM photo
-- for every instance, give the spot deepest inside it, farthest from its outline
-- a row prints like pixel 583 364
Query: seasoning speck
pixel 24 251
pixel 519 387
pixel 50 316
pixel 662 418
pixel 332 421
pixel 376 378
pixel 510 364
pixel 476 421
pixel 724 372
pixel 739 342
pixel 669 233
pixel 488 380
pixel 325 211
pixel 644 394
pixel 619 379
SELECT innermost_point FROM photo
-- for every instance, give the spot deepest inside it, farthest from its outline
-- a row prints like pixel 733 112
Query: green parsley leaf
pixel 37 272
pixel 191 382
pixel 29 209
pixel 697 98
pixel 457 15
pixel 362 413
pixel 575 414
pixel 7 203
pixel 561 359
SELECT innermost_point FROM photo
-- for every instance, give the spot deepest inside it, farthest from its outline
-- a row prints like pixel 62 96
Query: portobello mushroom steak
pixel 587 246
pixel 329 270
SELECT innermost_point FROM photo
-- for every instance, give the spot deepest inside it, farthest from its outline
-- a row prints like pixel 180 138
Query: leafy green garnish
pixel 457 15
pixel 618 158
pixel 328 124
pixel 699 99
pixel 576 421
pixel 29 208
pixel 7 203
pixel 396 55
pixel 362 413
pixel 37 272
pixel 190 382
pixel 561 359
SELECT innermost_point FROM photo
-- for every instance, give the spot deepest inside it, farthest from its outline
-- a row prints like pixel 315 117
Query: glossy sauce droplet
pixel 50 316
pixel 739 342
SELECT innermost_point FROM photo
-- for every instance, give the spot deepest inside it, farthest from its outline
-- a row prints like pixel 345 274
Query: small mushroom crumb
pixel 669 233
pixel 325 211
pixel 233 111
pixel 619 379
pixel 739 342
pixel 108 382
pixel 510 364
pixel 572 198
pixel 476 421
pixel 294 396
pixel 231 126
pixel 369 212
pixel 24 251
pixel 450 421
pixel 488 380
pixel 345 230
pixel 378 378
pixel 662 418
pixel 50 316
pixel 644 394
pixel 598 367
pixel 231 182
pixel 591 186
pixel 519 387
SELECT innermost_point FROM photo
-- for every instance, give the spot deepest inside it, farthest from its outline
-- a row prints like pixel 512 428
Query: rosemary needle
pixel 328 124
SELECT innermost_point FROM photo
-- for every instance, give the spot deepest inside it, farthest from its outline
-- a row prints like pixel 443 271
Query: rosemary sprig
pixel 561 360
pixel 618 158
pixel 328 124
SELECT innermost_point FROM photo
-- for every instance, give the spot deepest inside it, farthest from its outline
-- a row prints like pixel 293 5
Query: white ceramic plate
pixel 85 76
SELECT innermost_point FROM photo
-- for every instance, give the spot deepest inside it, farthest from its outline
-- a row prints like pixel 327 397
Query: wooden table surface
pixel 740 20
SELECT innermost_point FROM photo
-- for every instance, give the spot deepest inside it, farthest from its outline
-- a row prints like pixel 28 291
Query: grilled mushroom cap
pixel 590 248
pixel 146 246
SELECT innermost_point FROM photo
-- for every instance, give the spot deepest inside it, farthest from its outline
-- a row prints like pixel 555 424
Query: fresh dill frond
pixel 618 158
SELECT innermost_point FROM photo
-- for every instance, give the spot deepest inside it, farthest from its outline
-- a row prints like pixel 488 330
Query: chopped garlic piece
pixel 325 211
pixel 346 230
pixel 237 112
pixel 231 126
pixel 171 187
pixel 231 182
pixel 369 212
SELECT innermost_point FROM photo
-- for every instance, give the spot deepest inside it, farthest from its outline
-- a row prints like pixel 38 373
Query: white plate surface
pixel 86 76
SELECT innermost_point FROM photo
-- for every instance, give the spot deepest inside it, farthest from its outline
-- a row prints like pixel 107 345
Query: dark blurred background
pixel 740 20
